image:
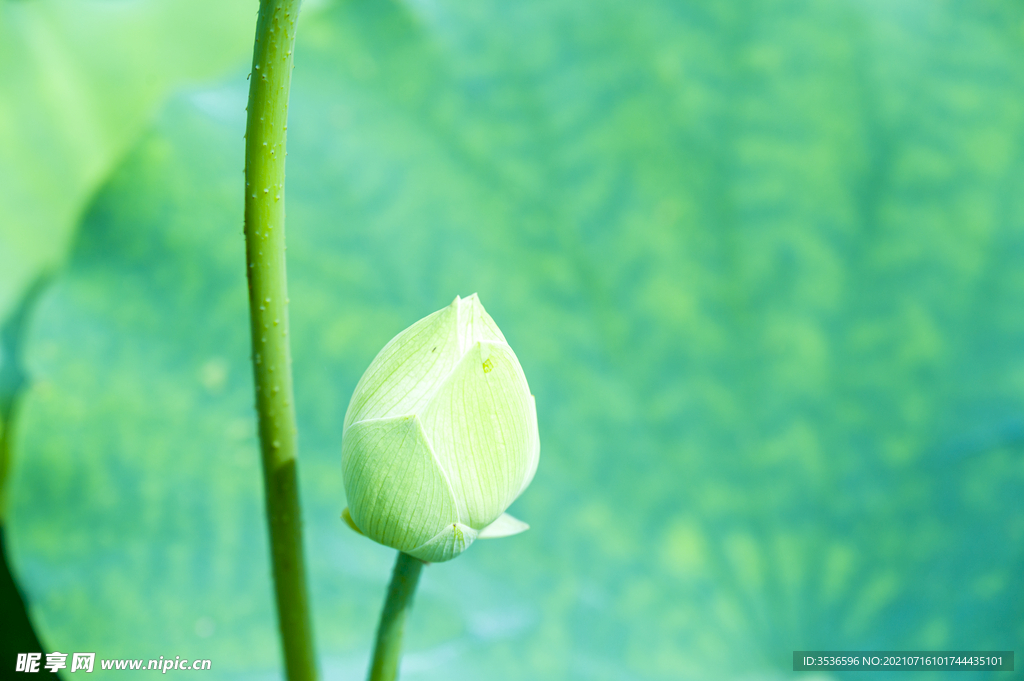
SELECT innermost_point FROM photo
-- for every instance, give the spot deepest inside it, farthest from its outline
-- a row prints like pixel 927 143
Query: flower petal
pixel 531 466
pixel 404 375
pixel 504 526
pixel 475 324
pixel 446 544
pixel 397 494
pixel 482 430
pixel 347 517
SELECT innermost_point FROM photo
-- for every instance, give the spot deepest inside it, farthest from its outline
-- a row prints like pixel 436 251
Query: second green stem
pixel 388 650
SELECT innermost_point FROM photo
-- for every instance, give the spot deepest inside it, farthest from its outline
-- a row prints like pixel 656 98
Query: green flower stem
pixel 388 650
pixel 265 128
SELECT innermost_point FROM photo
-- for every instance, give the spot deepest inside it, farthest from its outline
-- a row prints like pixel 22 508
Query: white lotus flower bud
pixel 440 436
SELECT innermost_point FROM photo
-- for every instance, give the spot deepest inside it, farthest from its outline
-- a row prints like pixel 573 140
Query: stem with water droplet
pixel 388 650
pixel 266 123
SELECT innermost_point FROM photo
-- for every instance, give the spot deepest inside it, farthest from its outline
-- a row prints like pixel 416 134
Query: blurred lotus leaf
pixel 79 81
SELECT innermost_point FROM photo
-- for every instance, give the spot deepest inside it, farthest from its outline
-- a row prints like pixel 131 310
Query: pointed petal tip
pixel 347 517
pixel 504 526
pixel 471 301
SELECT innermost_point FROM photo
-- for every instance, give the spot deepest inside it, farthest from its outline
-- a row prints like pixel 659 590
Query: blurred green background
pixel 762 263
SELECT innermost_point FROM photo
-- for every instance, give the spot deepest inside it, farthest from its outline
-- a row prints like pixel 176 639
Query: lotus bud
pixel 440 437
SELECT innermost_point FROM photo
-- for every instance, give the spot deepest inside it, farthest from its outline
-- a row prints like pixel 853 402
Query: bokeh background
pixel 762 263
